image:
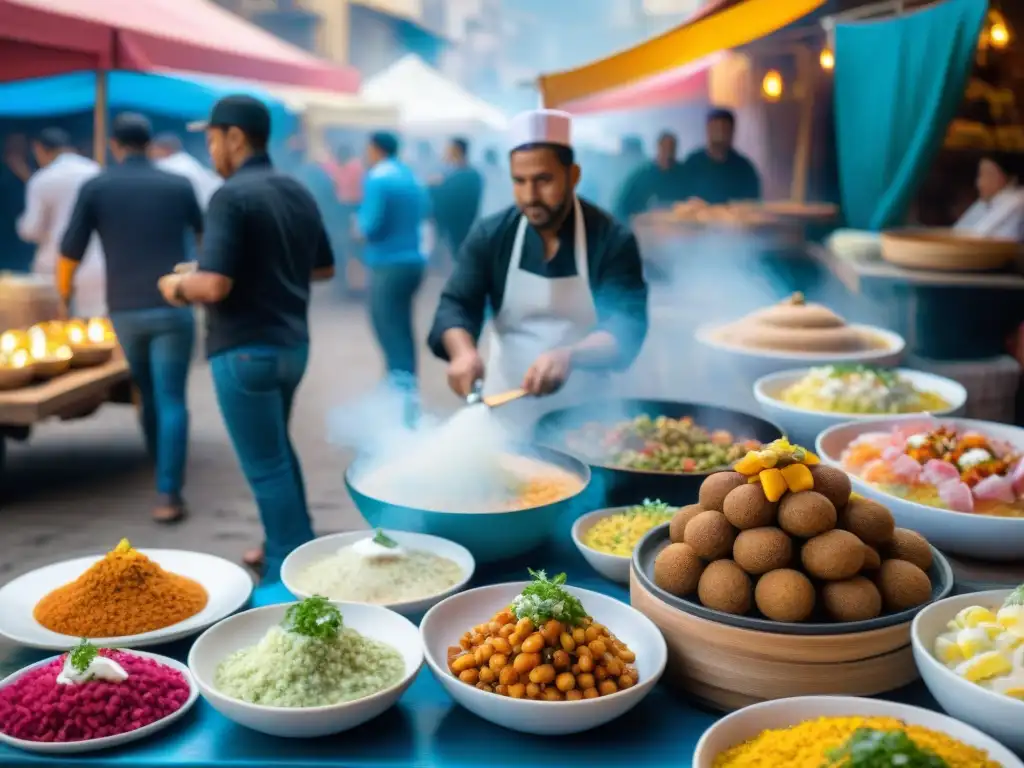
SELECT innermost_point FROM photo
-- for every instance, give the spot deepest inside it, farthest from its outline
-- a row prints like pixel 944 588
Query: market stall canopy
pixel 726 26
pixel 319 107
pixel 33 44
pixel 193 35
pixel 428 101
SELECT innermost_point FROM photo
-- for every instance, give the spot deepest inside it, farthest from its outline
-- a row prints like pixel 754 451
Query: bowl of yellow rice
pixel 807 401
pixel 812 730
pixel 606 537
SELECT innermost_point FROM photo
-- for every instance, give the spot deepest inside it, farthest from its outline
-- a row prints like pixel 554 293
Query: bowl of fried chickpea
pixel 513 653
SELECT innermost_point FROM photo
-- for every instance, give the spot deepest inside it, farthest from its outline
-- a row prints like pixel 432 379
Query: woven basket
pixel 991 384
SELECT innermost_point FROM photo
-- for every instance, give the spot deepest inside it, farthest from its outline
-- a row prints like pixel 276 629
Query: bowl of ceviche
pixel 807 401
pixel 958 482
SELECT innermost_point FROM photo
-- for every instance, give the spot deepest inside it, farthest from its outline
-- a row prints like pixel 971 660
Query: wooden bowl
pixel 89 355
pixel 727 668
pixel 50 367
pixel 15 378
pixel 946 250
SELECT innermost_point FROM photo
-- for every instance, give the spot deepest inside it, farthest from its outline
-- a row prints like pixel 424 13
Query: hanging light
pixel 999 35
pixel 771 86
pixel 827 59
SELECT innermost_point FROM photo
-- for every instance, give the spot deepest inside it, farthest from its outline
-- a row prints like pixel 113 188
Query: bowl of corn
pixel 606 537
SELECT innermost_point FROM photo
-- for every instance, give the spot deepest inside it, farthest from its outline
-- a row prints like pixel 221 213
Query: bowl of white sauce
pixel 406 572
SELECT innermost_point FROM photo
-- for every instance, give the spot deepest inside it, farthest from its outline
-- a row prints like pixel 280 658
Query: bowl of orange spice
pixel 126 598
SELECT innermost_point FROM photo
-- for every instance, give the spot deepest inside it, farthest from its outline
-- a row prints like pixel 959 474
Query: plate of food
pixel 92 698
pixel 606 537
pixel 306 669
pixel 785 549
pixel 406 572
pixel 807 401
pixel 584 658
pixel 970 650
pixel 959 482
pixel 639 449
pixel 127 598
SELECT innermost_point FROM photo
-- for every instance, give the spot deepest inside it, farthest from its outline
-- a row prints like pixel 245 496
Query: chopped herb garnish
pixel 545 599
pixel 313 617
pixel 384 540
pixel 1015 598
pixel 656 507
pixel 886 376
pixel 82 655
pixel 869 748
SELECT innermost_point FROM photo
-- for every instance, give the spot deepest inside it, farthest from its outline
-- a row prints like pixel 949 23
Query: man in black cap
pixel 265 242
pixel 142 216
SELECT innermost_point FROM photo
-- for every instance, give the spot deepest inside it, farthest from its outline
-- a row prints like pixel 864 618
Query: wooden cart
pixel 73 395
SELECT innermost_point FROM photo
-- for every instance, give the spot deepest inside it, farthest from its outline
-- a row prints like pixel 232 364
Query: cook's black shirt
pixel 615 272
pixel 143 216
pixel 718 182
pixel 265 232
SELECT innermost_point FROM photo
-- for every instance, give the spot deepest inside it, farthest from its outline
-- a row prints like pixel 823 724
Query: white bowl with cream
pixel 361 544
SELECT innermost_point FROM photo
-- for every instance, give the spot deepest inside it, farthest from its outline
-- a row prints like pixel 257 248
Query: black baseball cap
pixel 53 138
pixel 246 113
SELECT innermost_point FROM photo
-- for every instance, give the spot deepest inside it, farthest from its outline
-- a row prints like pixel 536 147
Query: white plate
pixel 803 426
pixel 984 537
pixel 612 567
pixel 74 747
pixel 445 622
pixel 315 550
pixel 248 628
pixel 748 722
pixel 988 711
pixel 227 585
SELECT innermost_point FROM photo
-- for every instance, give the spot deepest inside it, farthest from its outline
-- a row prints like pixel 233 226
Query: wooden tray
pixel 728 667
pixel 946 250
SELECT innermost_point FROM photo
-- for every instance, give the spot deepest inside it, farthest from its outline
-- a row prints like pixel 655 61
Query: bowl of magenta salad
pixel 91 698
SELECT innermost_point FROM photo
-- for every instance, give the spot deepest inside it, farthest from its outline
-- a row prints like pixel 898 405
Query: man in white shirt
pixel 50 196
pixel 167 154
pixel 999 210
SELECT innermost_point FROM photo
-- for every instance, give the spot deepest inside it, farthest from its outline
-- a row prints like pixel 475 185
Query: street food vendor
pixel 718 174
pixel 999 209
pixel 562 278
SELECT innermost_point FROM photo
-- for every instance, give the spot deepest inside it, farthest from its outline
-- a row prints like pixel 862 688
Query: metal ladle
pixel 492 401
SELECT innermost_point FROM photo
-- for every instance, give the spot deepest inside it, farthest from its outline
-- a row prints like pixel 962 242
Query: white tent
pixel 428 102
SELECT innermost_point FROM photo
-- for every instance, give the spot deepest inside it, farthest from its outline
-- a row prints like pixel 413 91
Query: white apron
pixel 539 314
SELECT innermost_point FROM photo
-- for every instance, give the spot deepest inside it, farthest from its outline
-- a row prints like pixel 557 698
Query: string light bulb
pixel 827 59
pixel 772 86
pixel 999 35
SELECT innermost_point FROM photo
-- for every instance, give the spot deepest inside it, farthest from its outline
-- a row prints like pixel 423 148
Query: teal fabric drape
pixel 898 83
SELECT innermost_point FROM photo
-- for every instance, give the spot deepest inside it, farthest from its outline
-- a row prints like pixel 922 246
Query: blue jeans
pixel 392 290
pixel 255 389
pixel 158 346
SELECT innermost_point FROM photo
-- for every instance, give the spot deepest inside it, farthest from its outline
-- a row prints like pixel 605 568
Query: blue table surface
pixel 425 728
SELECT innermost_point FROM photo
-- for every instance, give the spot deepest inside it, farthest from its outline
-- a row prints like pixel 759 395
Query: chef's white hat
pixel 541 126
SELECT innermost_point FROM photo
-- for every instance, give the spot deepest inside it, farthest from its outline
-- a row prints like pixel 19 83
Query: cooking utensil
pixel 493 401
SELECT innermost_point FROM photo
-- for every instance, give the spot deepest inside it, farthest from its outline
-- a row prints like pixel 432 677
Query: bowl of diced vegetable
pixel 606 537
pixel 807 401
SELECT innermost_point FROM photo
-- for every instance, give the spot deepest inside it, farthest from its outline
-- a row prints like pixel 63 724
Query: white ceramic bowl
pixel 803 426
pixel 752 364
pixel 445 622
pixel 997 715
pixel 748 722
pixel 107 742
pixel 613 567
pixel 227 585
pixel 326 546
pixel 983 537
pixel 246 629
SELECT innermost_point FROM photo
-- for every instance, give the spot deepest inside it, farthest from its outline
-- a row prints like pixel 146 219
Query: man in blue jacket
pixel 394 208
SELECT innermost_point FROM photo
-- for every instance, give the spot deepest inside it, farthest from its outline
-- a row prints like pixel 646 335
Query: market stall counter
pixel 427 727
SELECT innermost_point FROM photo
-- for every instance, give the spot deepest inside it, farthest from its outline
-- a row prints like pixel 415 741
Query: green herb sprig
pixel 870 748
pixel 1015 598
pixel 313 617
pixel 384 540
pixel 82 655
pixel 652 508
pixel 544 599
pixel 886 376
